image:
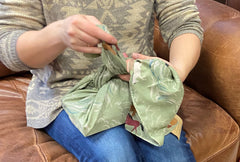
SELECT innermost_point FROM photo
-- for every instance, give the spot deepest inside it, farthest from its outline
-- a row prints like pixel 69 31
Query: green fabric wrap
pixel 101 100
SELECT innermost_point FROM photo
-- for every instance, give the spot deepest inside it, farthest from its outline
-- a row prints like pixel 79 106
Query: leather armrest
pixel 216 75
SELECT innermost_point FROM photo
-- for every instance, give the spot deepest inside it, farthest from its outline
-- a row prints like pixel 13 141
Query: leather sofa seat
pixel 211 132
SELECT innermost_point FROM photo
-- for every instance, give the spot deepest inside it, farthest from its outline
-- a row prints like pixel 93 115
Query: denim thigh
pixel 116 144
pixel 173 150
pixel 113 145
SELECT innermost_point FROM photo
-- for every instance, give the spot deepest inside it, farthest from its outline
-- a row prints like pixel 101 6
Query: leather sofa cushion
pixel 4 71
pixel 210 130
pixel 18 142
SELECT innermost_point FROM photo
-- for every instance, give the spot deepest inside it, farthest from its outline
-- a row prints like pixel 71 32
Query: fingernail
pixel 114 41
pixel 125 55
pixel 117 47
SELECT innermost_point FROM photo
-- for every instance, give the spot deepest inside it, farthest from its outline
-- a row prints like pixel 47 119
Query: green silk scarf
pixel 146 104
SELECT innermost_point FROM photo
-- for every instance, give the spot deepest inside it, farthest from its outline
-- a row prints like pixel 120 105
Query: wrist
pixel 54 32
pixel 181 73
pixel 44 45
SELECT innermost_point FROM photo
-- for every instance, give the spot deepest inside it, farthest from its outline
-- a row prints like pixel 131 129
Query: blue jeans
pixel 116 144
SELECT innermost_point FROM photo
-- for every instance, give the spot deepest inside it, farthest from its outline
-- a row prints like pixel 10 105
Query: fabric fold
pixel 147 105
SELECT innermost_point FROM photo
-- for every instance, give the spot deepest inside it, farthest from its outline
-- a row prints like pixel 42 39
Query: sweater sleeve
pixel 17 17
pixel 178 17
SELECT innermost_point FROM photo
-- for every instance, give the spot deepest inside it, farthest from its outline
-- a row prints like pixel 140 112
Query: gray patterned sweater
pixel 130 21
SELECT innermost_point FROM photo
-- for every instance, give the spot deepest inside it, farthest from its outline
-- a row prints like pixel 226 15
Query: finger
pixel 125 77
pixel 87 38
pixel 91 29
pixel 102 35
pixel 92 50
pixel 125 55
pixel 144 57
pixel 74 42
pixel 75 32
pixel 130 64
pixel 93 20
pixel 140 56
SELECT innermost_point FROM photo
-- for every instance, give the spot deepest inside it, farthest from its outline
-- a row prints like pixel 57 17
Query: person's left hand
pixel 130 63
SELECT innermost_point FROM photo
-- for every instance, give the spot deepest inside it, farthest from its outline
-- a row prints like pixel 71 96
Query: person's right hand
pixel 81 34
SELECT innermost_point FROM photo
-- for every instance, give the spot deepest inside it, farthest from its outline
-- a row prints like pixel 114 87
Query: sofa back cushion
pixel 232 3
pixel 216 74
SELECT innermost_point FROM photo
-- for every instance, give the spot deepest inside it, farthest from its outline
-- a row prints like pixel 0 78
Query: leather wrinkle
pixel 226 147
pixel 232 131
pixel 41 152
pixel 223 149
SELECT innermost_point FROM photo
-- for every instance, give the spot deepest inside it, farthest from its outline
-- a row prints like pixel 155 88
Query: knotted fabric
pixel 147 104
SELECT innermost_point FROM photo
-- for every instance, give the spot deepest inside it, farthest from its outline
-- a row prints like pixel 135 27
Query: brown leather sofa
pixel 232 3
pixel 210 109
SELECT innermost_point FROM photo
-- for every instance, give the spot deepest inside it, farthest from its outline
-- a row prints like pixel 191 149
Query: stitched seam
pixel 23 96
pixel 14 85
pixel 41 153
pixel 12 82
pixel 226 2
pixel 224 149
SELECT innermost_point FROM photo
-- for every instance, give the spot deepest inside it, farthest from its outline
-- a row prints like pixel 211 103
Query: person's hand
pixel 144 57
pixel 80 33
pixel 139 56
pixel 125 77
pixel 130 63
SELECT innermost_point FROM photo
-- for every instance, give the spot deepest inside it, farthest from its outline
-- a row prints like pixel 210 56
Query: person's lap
pixel 116 144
